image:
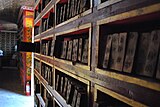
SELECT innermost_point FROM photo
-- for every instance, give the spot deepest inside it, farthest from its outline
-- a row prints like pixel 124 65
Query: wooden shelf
pixel 127 88
pixel 37 20
pixel 36 4
pixel 53 92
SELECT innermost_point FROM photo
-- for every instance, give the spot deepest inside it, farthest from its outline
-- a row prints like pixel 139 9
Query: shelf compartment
pixel 67 9
pixel 48 19
pixel 53 92
pixel 37 64
pixel 105 97
pixel 127 46
pixel 74 91
pixel 72 45
pixel 47 46
pixel 46 73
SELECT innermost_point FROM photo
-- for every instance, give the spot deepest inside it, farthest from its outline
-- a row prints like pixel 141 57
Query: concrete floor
pixel 11 91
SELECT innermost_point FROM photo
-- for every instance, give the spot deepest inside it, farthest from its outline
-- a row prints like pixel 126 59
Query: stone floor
pixel 11 91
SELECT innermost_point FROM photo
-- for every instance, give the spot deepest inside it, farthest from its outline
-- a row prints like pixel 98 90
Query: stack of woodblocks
pixel 73 91
pixel 133 52
pixel 48 47
pixel 75 49
pixel 46 73
pixel 70 8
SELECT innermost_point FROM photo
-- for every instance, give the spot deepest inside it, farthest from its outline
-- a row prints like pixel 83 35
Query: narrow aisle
pixel 11 92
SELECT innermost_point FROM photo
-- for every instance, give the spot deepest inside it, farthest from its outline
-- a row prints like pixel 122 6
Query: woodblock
pixel 64 51
pixel 107 51
pixel 75 50
pixel 85 51
pixel 158 68
pixel 69 52
pixel 74 98
pixel 52 47
pixel 62 85
pixel 80 50
pixel 152 54
pixel 120 51
pixel 65 87
pixel 143 47
pixel 130 51
pixel 57 83
pixel 114 50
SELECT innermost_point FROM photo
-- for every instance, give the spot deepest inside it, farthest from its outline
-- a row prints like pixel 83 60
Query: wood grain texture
pixel 85 51
pixel 64 50
pixel 75 50
pixel 130 51
pixel 69 52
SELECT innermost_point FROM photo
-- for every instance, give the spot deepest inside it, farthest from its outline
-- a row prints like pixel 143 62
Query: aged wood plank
pixel 107 51
pixel 152 54
pixel 130 51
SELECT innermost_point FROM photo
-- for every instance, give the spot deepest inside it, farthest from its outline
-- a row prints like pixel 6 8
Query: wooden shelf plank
pixel 40 100
pixel 130 79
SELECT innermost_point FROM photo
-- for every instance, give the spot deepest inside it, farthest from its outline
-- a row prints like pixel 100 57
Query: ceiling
pixel 9 10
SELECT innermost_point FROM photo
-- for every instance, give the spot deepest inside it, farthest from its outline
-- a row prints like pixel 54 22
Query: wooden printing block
pixel 50 77
pixel 143 46
pixel 78 6
pixel 152 55
pixel 65 87
pixel 85 51
pixel 62 85
pixel 80 50
pixel 64 12
pixel 52 47
pixel 158 67
pixel 107 51
pixel 114 49
pixel 75 50
pixel 130 51
pixel 81 100
pixel 120 51
pixel 57 82
pixel 70 92
pixel 74 98
pixel 69 52
pixel 68 9
pixel 64 51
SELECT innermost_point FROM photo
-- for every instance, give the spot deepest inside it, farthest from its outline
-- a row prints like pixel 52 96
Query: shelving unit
pixel 25 26
pixel 100 46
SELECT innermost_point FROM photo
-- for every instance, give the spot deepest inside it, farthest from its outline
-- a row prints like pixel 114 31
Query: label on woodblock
pixel 69 52
pixel 107 51
pixel 64 51
pixel 114 49
pixel 75 50
pixel 130 51
pixel 80 50
pixel 143 46
pixel 158 66
pixel 85 51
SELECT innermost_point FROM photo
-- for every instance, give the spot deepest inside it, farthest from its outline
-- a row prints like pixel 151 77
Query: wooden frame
pixel 107 3
pixel 89 48
pixel 117 96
